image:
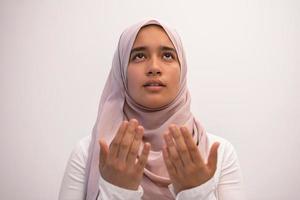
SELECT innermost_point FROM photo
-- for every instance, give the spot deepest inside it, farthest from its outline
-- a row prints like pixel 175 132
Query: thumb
pixel 213 157
pixel 103 153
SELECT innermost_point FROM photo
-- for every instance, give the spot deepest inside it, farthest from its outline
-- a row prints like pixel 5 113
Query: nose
pixel 153 68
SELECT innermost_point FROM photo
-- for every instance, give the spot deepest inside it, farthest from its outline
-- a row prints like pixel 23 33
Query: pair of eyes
pixel 140 56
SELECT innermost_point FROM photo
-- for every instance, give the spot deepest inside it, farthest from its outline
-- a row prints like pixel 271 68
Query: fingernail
pixel 134 121
pixel 172 126
pixel 125 123
pixel 185 129
pixel 140 129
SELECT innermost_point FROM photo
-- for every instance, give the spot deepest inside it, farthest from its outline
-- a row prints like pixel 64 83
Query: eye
pixel 168 56
pixel 138 57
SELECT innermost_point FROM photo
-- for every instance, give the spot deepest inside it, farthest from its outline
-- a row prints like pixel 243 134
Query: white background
pixel 243 58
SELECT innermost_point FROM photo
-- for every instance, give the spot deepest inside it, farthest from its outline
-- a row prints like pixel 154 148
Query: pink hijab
pixel 116 105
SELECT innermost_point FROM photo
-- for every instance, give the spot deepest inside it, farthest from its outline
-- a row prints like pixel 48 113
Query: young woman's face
pixel 153 70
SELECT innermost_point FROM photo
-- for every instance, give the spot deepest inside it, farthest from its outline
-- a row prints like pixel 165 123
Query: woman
pixel 150 144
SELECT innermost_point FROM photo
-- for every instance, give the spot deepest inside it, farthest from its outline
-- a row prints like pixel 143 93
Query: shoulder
pixel 225 146
pixel 84 142
pixel 80 151
pixel 227 156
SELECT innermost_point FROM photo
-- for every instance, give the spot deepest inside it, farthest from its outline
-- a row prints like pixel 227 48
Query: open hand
pixel 120 164
pixel 182 157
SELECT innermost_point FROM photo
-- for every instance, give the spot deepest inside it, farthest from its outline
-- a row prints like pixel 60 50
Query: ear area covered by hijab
pixel 116 105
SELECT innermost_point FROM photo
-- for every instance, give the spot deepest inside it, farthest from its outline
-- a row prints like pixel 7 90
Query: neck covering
pixel 116 105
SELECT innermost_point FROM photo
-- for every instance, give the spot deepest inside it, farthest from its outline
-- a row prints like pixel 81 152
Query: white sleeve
pixel 110 191
pixel 227 186
pixel 201 192
pixel 72 187
pixel 230 185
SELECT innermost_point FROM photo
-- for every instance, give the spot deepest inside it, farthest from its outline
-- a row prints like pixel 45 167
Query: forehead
pixel 152 35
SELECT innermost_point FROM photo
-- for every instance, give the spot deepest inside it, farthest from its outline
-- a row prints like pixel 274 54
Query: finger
pixel 127 139
pixel 213 157
pixel 114 146
pixel 134 149
pixel 180 144
pixel 142 161
pixel 103 153
pixel 192 147
pixel 170 167
pixel 172 151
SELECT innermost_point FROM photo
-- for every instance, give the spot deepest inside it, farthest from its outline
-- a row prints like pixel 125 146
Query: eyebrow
pixel 162 48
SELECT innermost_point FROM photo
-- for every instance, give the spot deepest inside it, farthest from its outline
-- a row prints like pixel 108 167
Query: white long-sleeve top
pixel 226 184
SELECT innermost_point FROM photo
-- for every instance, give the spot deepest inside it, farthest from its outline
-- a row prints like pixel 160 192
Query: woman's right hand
pixel 119 163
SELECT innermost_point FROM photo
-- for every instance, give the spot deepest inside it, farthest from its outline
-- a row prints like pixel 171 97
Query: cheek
pixel 176 79
pixel 132 89
pixel 134 71
pixel 129 72
pixel 132 79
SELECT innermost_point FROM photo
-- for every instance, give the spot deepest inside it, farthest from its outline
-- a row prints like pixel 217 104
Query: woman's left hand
pixel 182 157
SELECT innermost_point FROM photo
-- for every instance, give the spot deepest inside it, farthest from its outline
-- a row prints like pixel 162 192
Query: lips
pixel 154 83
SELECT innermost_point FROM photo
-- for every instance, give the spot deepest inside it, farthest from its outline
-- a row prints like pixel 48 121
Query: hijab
pixel 116 105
